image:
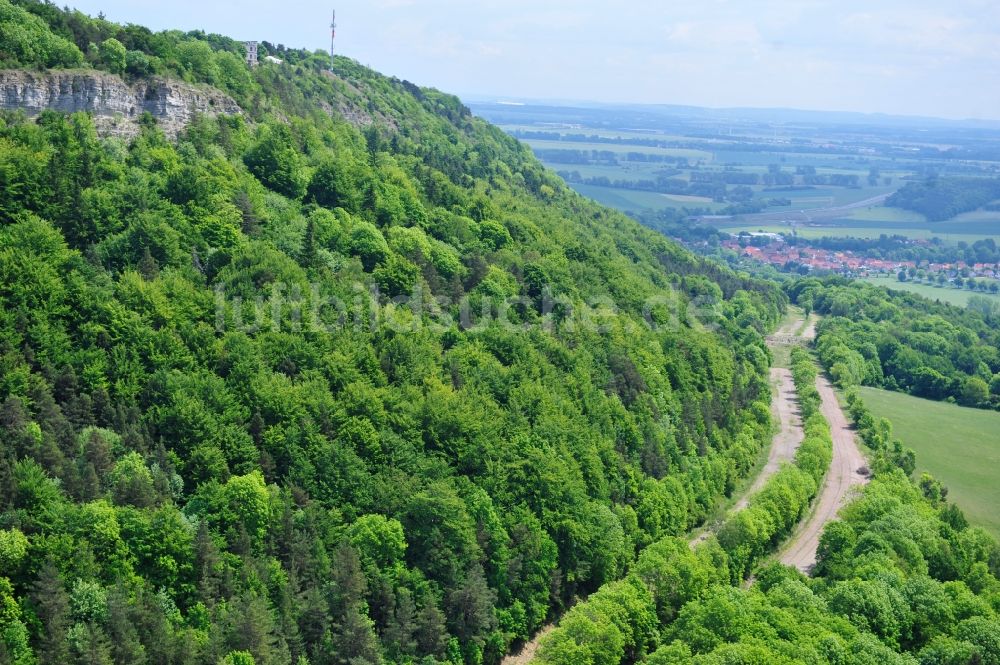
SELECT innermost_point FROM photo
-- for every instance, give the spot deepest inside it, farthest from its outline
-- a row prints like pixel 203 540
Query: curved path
pixel 788 437
pixel 784 407
pixel 786 441
pixel 848 470
pixel 528 651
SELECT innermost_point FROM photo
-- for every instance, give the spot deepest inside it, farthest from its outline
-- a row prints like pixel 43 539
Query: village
pixel 773 250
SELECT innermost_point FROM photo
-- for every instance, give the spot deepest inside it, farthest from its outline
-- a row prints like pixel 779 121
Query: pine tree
pixel 148 267
pixel 354 640
pixel 249 626
pixel 431 634
pixel 89 645
pixel 310 252
pixel 402 626
pixel 51 603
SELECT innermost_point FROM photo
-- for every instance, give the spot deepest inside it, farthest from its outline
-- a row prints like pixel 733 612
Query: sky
pixel 910 57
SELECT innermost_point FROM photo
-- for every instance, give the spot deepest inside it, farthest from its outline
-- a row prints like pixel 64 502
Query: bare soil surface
pixel 786 441
pixel 847 472
pixel 785 408
pixel 528 651
pixel 809 333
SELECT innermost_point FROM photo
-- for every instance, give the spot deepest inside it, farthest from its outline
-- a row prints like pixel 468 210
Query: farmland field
pixel 950 231
pixel 946 294
pixel 884 214
pixel 693 155
pixel 630 200
pixel 772 174
pixel 959 446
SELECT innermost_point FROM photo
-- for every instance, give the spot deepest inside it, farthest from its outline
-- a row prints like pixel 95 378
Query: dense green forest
pixel 939 199
pixel 900 341
pixel 351 378
pixel 292 389
pixel 625 620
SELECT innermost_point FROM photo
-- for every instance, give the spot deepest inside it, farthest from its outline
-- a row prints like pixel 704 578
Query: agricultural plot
pixel 947 294
pixel 628 200
pixel 959 446
pixel 886 214
pixel 689 154
pixel 806 174
pixel 951 231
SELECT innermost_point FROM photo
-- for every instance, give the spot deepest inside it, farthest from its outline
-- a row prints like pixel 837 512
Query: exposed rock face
pixel 114 104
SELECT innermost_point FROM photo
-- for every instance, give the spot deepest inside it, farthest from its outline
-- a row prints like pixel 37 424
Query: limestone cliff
pixel 114 104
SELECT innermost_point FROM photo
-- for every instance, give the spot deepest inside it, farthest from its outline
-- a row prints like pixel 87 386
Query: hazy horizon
pixel 901 58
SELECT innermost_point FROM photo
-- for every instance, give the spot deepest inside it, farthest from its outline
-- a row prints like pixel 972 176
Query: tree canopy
pixel 347 378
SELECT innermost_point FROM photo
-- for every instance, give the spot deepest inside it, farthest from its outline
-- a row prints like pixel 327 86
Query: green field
pixel 708 157
pixel 631 172
pixel 946 294
pixel 958 446
pixel 602 133
pixel 824 196
pixel 884 214
pixel 629 200
pixel 688 153
pixel 951 231
pixel 707 160
pixel 834 231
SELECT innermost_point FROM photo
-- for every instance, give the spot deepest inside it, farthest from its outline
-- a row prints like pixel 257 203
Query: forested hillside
pixel 349 378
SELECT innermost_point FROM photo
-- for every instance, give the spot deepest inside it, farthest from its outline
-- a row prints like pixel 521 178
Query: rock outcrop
pixel 114 104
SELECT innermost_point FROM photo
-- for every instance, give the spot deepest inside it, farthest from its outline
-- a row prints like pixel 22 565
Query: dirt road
pixel 786 441
pixel 809 332
pixel 841 480
pixel 529 650
pixel 784 406
pixel 785 409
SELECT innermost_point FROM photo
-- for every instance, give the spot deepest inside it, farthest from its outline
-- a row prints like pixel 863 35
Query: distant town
pixel 772 249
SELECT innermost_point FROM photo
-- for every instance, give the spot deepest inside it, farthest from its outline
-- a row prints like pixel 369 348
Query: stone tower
pixel 251 53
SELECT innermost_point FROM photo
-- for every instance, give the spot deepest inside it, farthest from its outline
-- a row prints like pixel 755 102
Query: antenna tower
pixel 333 36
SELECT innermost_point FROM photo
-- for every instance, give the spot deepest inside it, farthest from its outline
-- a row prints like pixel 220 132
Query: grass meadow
pixel 947 294
pixel 957 445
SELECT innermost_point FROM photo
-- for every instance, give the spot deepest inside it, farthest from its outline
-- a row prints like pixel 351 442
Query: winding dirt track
pixel 784 407
pixel 842 478
pixel 786 441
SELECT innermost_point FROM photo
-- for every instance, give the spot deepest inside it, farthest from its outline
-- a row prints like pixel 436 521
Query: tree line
pixel 900 341
pixel 941 198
